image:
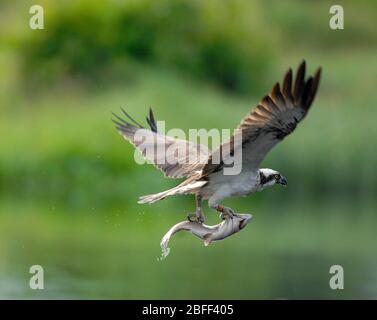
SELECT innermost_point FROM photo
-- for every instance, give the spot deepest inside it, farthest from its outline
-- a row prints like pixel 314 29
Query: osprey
pixel 274 118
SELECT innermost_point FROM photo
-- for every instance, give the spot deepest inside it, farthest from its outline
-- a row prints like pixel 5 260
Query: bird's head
pixel 269 177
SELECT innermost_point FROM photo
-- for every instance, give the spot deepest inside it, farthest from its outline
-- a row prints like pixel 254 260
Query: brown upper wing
pixel 275 117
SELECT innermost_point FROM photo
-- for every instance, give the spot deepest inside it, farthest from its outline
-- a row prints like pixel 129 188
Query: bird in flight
pixel 274 118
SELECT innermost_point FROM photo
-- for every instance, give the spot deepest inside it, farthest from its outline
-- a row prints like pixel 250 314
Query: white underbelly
pixel 230 186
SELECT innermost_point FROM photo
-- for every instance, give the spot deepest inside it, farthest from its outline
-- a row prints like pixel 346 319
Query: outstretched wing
pixel 177 158
pixel 275 117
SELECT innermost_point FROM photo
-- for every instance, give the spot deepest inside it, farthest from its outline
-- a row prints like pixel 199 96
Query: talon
pixel 193 217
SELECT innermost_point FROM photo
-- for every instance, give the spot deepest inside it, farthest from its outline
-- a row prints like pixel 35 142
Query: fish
pixel 229 226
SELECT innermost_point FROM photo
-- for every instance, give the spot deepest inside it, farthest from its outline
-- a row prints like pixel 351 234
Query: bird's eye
pixel 277 176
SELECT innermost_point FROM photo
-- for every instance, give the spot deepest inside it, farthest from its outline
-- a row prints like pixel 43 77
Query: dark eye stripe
pixel 271 177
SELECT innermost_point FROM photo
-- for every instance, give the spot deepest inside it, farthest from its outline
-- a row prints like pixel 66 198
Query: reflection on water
pixel 86 255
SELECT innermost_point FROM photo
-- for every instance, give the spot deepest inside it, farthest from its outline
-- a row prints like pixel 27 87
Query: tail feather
pixel 152 198
pixel 180 189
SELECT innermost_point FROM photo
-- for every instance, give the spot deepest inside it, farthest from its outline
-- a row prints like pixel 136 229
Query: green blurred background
pixel 69 183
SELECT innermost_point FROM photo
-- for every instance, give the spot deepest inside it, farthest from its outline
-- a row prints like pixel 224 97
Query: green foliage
pixel 73 144
pixel 306 23
pixel 215 41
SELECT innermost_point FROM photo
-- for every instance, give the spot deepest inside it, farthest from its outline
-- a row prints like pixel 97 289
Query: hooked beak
pixel 283 181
